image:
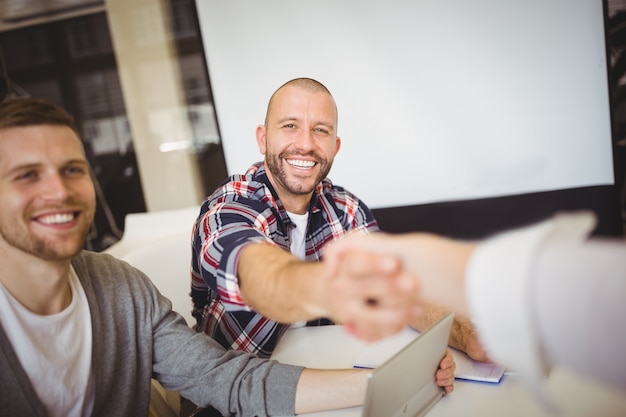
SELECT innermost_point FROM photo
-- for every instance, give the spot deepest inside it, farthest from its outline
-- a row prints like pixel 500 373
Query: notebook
pixel 466 368
pixel 404 385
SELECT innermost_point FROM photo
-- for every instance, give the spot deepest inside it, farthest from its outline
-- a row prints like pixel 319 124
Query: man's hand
pixel 371 294
pixel 464 337
pixel 474 348
pixel 436 263
pixel 445 374
pixel 463 334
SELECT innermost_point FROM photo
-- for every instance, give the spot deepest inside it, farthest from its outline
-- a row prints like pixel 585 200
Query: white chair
pixel 167 262
pixel 142 228
pixel 159 244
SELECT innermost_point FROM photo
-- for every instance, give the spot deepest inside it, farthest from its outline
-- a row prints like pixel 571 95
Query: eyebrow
pixel 288 119
pixel 31 165
pixel 331 126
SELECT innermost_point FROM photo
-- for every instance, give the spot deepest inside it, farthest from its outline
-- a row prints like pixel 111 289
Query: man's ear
pixel 260 139
pixel 337 144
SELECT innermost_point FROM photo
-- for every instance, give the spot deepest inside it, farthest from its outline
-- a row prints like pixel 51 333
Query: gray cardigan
pixel 136 337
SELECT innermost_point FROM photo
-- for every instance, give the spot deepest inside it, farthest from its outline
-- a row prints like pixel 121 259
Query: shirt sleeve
pixel 357 215
pixel 579 292
pixel 219 237
pixel 500 288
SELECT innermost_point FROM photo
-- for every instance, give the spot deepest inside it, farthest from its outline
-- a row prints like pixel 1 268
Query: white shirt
pixel 298 242
pixel 545 295
pixel 54 350
pixel 298 234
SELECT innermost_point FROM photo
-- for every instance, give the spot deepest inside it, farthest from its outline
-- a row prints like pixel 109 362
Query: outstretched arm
pixel 420 255
pixel 522 272
pixel 437 263
pixel 280 286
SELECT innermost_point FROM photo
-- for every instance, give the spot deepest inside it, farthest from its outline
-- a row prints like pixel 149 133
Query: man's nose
pixel 55 187
pixel 305 141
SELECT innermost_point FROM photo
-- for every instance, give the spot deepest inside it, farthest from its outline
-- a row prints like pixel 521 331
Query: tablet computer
pixel 404 385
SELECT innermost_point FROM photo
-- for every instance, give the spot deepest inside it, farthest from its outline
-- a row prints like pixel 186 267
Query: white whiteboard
pixel 439 100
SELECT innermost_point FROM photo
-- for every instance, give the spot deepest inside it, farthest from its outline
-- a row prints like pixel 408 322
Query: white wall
pixel 438 100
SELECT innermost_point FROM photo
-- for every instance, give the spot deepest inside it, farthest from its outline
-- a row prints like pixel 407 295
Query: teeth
pixel 57 218
pixel 300 163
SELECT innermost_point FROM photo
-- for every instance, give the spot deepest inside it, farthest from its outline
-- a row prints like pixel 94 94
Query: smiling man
pixel 259 237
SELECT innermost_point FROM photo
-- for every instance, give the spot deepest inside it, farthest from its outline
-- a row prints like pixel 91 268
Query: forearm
pixel 278 285
pixel 462 330
pixel 436 264
pixel 429 315
pixel 320 390
pixel 439 264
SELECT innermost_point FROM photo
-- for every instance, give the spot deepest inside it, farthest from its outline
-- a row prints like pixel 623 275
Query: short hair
pixel 306 84
pixel 27 111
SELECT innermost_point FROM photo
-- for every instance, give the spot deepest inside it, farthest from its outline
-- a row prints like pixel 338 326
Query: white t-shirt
pixel 298 242
pixel 54 350
pixel 298 234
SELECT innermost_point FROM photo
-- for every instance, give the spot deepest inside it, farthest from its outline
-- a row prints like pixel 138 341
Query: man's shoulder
pixel 241 184
pixel 101 265
pixel 336 192
pixel 87 259
pixel 105 274
pixel 341 202
pixel 253 185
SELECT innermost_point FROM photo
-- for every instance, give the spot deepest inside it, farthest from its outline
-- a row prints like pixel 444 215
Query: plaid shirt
pixel 244 210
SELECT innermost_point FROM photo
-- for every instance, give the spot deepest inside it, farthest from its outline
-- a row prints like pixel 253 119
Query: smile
pixel 57 218
pixel 299 163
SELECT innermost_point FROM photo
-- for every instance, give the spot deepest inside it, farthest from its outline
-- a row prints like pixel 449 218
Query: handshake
pixel 378 283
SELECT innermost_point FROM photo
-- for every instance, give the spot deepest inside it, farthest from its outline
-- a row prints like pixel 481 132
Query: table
pixel 331 347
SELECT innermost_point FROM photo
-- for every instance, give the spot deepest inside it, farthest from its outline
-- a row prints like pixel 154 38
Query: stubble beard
pixel 275 167
pixel 41 247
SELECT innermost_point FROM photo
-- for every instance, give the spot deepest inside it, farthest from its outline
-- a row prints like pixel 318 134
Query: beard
pixel 48 249
pixel 275 163
pixel 42 249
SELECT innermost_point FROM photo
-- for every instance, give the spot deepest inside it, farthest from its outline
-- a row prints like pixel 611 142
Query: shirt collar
pixel 260 174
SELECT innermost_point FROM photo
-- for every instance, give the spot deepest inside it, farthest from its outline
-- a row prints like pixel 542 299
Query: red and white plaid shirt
pixel 245 209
